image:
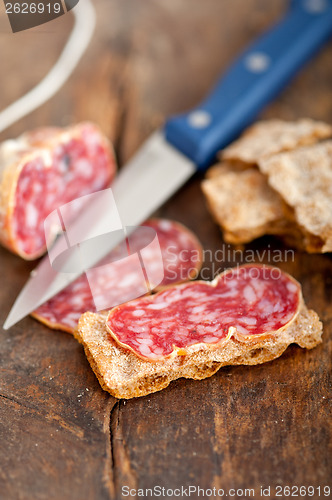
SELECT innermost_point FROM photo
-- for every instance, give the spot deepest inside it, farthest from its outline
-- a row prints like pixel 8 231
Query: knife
pixel 189 142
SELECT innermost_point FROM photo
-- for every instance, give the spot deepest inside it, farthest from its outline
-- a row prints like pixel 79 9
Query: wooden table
pixel 64 438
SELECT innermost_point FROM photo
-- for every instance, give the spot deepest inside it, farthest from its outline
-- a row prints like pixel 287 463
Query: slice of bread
pixel 124 375
pixel 275 179
pixel 242 203
pixel 269 137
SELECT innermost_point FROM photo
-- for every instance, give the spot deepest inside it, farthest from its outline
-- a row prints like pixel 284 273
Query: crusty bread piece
pixel 303 178
pixel 243 204
pixel 275 179
pixel 266 138
pixel 246 207
pixel 124 375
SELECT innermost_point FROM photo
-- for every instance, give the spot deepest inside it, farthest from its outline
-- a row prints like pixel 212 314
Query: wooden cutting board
pixel 61 436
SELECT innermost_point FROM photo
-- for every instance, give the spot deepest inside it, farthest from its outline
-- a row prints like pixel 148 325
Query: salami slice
pixel 43 170
pixel 248 302
pixel 182 260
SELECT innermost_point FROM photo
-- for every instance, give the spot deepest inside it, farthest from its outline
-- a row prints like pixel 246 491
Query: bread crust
pixel 303 178
pixel 242 203
pixel 275 179
pixel 266 138
pixel 124 375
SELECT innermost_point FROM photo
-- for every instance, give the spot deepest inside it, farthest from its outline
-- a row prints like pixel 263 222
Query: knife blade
pixel 157 162
pixel 190 141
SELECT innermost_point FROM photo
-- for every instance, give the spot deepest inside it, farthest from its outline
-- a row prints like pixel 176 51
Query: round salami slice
pixel 181 251
pixel 42 170
pixel 248 302
pixel 181 258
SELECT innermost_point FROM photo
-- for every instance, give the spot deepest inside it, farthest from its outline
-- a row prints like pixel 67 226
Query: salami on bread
pixel 237 319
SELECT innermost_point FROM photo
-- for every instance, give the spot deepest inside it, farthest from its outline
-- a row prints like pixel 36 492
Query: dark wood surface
pixel 61 436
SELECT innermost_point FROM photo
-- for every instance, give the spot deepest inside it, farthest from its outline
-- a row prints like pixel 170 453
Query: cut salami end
pixel 182 259
pixel 42 170
pixel 248 303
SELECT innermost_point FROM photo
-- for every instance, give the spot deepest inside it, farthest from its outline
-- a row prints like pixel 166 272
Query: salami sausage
pixel 248 302
pixel 42 170
pixel 182 260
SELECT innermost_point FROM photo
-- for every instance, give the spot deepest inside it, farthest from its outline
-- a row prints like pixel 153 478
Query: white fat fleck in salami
pixel 43 170
pixel 206 313
pixel 64 310
pixel 31 219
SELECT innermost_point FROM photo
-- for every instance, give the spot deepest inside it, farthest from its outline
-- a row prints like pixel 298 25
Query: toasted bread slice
pixel 269 137
pixel 124 375
pixel 303 179
pixel 243 204
pixel 275 179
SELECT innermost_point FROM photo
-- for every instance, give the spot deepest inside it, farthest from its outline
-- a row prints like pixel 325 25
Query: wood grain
pixel 61 436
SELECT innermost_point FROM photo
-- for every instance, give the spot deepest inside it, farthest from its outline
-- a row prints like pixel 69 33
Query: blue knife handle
pixel 252 81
